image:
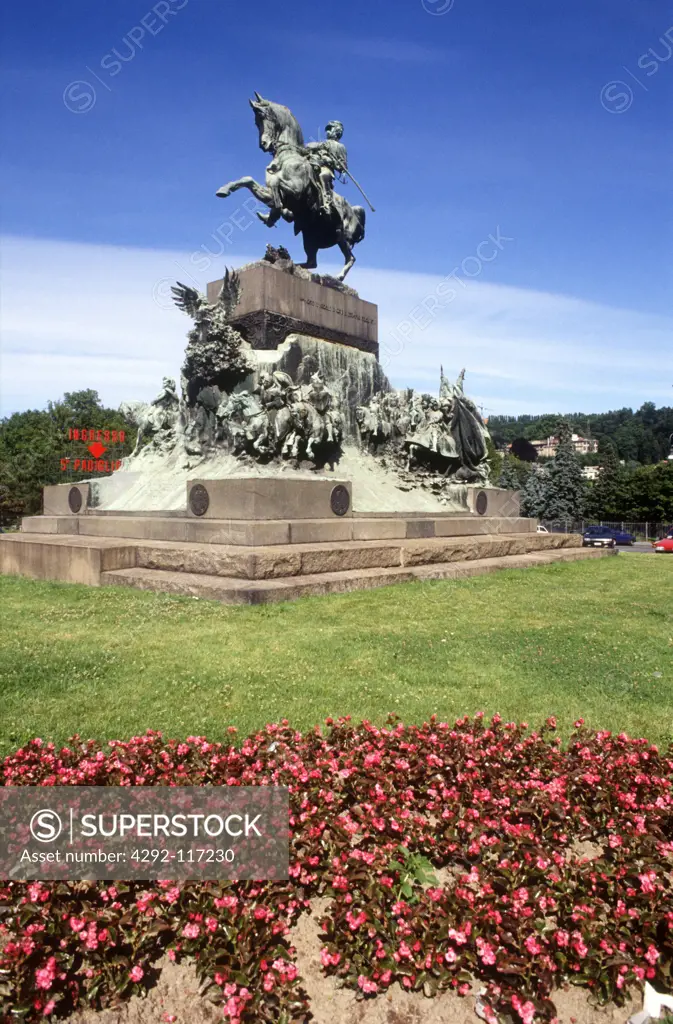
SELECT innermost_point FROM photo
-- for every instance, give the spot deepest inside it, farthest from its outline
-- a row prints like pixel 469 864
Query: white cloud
pixel 76 316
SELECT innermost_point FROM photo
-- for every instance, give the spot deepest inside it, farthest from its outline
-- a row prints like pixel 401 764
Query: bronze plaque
pixel 482 503
pixel 199 500
pixel 340 500
pixel 75 499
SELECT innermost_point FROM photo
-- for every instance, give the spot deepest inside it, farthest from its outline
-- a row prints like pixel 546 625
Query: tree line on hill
pixel 637 437
pixel 557 491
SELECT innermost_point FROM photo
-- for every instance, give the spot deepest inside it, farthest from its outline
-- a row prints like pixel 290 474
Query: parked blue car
pixel 620 536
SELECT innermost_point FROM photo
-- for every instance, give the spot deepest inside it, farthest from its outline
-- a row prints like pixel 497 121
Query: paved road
pixel 640 547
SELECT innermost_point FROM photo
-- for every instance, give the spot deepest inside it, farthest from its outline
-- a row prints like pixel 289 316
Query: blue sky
pixel 548 123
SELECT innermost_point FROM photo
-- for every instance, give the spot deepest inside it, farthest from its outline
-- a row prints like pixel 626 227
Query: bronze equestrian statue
pixel 299 184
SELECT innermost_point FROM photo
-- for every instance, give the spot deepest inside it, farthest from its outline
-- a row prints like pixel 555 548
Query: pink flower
pixel 533 946
pixel 366 985
pixel 489 1016
pixel 136 973
pixel 527 1013
pixel 329 959
pixel 226 902
pixel 355 920
pixel 191 931
pixel 652 955
pixel 485 951
pixel 647 881
pixel 44 976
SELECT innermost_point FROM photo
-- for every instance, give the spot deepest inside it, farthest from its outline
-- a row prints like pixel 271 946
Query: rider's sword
pixel 344 170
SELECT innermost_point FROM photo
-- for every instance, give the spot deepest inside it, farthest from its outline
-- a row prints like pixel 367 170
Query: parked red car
pixel 665 544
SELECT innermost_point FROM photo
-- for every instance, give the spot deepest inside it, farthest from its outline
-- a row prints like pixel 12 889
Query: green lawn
pixel 591 639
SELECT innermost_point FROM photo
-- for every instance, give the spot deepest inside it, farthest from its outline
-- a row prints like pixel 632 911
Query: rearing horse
pixel 291 191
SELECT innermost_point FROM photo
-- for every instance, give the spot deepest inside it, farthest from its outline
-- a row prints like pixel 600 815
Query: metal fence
pixel 642 531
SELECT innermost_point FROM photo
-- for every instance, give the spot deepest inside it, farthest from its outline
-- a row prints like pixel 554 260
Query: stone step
pixel 259 533
pixel 60 557
pixel 275 562
pixel 81 559
pixel 229 590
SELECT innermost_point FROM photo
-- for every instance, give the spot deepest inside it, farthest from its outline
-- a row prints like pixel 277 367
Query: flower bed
pixel 374 812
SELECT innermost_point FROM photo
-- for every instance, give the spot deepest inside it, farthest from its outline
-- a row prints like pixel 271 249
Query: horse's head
pixel 275 124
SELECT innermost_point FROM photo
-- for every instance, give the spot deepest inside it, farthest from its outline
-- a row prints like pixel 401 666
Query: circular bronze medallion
pixel 199 500
pixel 482 502
pixel 75 499
pixel 340 500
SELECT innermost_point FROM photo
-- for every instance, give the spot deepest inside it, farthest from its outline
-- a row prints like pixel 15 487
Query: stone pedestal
pixel 276 302
pixel 65 499
pixel 270 498
pixel 494 502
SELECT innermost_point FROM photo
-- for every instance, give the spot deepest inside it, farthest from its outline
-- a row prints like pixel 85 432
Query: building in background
pixel 582 445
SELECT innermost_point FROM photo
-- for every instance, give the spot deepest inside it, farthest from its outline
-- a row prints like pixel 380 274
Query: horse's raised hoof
pixel 223 192
pixel 264 217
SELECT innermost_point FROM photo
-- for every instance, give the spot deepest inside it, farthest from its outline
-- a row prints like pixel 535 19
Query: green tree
pixel 564 487
pixel 494 460
pixel 650 494
pixel 605 500
pixel 509 477
pixel 33 442
pixel 533 495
